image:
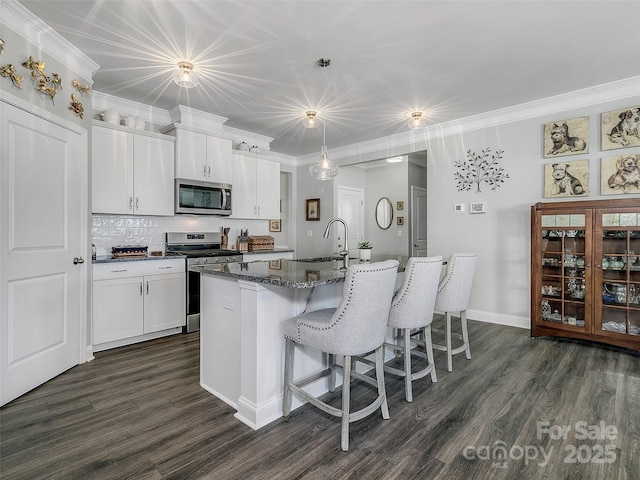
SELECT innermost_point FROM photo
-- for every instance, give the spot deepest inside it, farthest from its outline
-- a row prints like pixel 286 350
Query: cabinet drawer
pixel 106 271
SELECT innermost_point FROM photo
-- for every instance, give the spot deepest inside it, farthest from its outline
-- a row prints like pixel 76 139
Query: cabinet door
pixel 563 265
pixel 111 171
pixel 191 155
pixel 117 309
pixel 218 160
pixel 244 187
pixel 164 302
pixel 153 169
pixel 617 286
pixel 267 189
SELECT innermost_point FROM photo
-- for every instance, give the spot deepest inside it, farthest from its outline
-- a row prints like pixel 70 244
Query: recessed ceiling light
pixel 395 159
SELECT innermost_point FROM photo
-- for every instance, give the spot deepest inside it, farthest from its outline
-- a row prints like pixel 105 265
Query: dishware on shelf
pixel 110 116
pixel 140 123
pixel 130 121
pixel 255 149
pixel 243 147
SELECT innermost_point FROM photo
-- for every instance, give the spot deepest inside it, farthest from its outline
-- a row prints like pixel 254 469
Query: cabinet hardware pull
pixel 137 203
pixel 147 287
pixel 204 171
pixel 255 210
pixel 117 271
pixel 140 288
pixel 163 268
pixel 258 210
pixel 209 172
pixel 130 202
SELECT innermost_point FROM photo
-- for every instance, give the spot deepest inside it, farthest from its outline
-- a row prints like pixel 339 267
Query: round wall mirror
pixel 384 213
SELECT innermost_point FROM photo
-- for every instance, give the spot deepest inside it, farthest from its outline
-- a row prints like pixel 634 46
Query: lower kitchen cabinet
pixel 136 301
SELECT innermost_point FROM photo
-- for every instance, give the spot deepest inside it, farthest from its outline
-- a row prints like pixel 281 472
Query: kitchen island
pixel 243 306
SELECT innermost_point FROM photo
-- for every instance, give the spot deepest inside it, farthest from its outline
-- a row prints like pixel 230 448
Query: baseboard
pixel 499 319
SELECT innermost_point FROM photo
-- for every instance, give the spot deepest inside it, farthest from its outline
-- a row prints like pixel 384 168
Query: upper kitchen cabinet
pixel 202 157
pixel 131 173
pixel 256 188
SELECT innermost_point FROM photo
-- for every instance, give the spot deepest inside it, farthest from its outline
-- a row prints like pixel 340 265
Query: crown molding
pixel 414 140
pixel 16 17
pixel 154 115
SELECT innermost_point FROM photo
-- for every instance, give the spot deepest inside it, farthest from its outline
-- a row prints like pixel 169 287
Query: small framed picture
pixel 274 225
pixel 313 209
pixel 477 207
pixel 620 128
pixel 313 275
pixel 566 179
pixel 275 264
pixel 620 175
pixel 399 205
pixel 400 221
pixel 566 137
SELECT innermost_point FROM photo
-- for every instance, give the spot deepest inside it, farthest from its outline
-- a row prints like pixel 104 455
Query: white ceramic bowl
pixel 110 116
pixel 140 123
pixel 130 121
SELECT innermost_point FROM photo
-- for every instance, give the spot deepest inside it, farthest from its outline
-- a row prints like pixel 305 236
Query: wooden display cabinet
pixel 585 271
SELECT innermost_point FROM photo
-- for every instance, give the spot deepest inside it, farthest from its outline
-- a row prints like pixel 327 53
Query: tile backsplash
pixel 113 230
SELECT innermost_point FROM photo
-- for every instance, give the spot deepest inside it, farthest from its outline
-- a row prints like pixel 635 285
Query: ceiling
pixel 258 59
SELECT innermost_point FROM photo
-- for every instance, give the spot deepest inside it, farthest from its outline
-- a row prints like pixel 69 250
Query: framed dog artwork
pixel 566 137
pixel 620 128
pixel 567 179
pixel 620 175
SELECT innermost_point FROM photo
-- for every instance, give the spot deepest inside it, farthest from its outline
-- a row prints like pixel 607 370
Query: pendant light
pixel 324 168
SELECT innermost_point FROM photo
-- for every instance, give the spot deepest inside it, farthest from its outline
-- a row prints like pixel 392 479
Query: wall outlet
pixel 309 233
pixel 229 303
pixel 458 207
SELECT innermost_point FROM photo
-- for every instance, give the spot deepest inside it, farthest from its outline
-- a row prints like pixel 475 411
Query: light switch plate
pixel 458 207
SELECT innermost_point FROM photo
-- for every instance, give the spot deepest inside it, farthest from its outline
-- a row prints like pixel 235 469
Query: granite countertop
pixel 275 250
pixel 111 258
pixel 300 273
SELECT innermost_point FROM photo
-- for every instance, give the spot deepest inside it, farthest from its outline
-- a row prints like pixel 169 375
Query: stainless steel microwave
pixel 202 198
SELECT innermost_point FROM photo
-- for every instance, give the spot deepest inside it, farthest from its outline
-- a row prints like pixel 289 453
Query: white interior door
pixel 418 221
pixel 43 220
pixel 351 210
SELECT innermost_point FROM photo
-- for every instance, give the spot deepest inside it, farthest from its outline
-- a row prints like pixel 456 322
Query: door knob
pixel 77 260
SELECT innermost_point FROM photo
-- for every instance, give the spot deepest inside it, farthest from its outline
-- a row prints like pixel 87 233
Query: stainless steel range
pixel 200 248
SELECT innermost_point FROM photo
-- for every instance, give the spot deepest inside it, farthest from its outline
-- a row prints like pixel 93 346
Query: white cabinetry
pixel 136 301
pixel 132 173
pixel 202 157
pixel 256 188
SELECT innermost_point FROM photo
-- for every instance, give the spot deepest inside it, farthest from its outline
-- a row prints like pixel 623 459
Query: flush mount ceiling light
pixel 395 159
pixel 416 121
pixel 185 76
pixel 311 119
pixel 324 168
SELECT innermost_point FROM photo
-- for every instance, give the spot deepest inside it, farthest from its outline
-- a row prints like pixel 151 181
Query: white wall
pixel 309 187
pixel 501 237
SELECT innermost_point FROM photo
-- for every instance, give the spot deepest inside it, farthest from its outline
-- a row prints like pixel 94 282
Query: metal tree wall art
pixel 478 169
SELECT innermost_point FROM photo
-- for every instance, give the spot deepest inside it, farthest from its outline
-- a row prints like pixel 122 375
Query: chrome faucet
pixel 345 252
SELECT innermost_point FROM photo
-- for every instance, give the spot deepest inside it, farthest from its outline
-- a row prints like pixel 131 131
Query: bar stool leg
pixel 380 378
pixel 407 365
pixel 288 377
pixel 465 333
pixel 448 334
pixel 346 397
pixel 331 361
pixel 428 345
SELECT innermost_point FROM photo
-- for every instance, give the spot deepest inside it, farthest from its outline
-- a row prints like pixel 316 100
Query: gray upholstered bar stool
pixel 411 313
pixel 453 295
pixel 357 326
pixel 412 308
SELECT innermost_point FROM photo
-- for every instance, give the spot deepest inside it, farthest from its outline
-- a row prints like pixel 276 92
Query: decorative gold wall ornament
pixel 10 71
pixel 46 85
pixel 78 86
pixel 76 107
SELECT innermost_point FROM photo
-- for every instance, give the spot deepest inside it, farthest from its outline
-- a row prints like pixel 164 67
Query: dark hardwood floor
pixel 138 412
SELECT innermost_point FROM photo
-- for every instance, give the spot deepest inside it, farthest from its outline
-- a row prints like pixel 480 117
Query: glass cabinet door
pixel 618 285
pixel 564 279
